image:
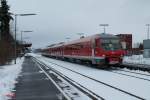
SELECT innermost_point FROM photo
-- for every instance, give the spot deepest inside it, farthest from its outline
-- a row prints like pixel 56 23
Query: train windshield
pixel 110 44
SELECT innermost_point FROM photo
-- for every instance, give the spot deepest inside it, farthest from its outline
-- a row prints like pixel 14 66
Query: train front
pixel 110 49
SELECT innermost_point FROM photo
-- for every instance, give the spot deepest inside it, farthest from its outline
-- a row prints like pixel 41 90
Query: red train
pixel 97 49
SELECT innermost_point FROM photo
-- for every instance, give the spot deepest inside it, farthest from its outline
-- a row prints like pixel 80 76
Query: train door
pixel 93 51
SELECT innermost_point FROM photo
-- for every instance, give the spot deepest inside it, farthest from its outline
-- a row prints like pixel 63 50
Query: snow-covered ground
pixel 138 87
pixel 132 85
pixel 8 75
pixel 136 59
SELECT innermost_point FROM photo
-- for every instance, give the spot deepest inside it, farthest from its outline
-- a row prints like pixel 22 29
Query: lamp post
pixel 104 25
pixel 15 52
pixel 147 30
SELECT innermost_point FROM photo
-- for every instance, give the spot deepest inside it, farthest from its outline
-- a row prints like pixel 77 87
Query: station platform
pixel 32 84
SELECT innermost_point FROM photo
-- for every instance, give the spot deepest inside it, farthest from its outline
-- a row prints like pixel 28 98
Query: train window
pixel 110 40
pixel 110 44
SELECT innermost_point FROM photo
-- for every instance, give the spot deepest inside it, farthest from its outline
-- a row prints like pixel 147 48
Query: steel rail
pixel 141 67
pixel 64 94
pixel 91 94
pixel 129 75
pixel 134 72
pixel 116 88
pixel 125 74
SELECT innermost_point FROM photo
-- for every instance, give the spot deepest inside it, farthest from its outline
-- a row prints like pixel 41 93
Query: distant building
pixel 126 40
pixel 146 44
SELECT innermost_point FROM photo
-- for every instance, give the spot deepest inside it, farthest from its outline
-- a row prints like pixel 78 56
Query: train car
pixel 97 49
pixel 54 50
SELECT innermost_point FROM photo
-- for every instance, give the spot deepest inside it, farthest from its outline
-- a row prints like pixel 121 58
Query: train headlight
pixel 121 56
pixel 103 55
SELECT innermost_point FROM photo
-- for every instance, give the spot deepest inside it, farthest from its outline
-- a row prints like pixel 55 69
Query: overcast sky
pixel 58 19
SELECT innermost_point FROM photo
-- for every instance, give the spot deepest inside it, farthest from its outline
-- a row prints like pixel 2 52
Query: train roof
pixel 102 35
pixel 84 39
pixel 56 45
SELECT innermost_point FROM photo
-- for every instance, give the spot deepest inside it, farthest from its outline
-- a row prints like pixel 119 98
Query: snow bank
pixel 136 59
pixel 8 75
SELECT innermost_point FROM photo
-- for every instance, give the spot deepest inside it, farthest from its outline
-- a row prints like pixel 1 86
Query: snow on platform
pixel 33 84
pixel 8 75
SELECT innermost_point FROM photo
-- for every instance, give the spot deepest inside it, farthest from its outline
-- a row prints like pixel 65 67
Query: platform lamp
pixel 104 26
pixel 16 15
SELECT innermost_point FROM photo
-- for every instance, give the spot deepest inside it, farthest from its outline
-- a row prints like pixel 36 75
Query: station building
pixel 126 40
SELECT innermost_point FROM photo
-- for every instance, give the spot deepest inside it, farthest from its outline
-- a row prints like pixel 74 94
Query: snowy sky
pixel 58 19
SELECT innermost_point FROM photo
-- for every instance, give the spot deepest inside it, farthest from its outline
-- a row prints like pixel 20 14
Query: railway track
pixel 133 74
pixel 83 89
pixel 137 73
pixel 115 69
pixel 64 96
pixel 131 66
pixel 127 73
pixel 98 81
